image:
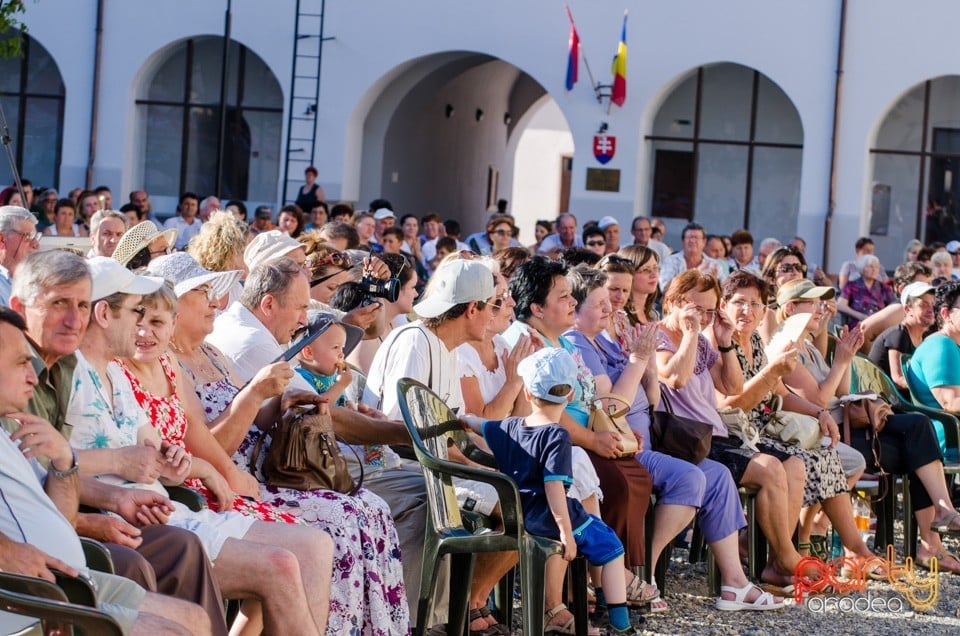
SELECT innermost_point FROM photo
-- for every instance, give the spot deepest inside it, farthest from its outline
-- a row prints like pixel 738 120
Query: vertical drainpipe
pixel 832 201
pixel 95 100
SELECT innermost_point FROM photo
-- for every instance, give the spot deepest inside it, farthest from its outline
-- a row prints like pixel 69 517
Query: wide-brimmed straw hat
pixel 138 237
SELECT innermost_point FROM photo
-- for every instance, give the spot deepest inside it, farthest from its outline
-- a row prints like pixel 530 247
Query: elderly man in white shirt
pixel 690 257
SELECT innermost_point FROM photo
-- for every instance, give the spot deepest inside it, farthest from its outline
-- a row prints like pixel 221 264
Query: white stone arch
pixel 514 94
pixel 785 129
pixel 268 176
pixel 912 165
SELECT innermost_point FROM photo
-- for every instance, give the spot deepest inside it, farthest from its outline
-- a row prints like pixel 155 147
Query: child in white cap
pixel 536 452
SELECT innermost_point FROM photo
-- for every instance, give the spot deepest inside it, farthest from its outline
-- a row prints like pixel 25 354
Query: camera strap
pixel 386 361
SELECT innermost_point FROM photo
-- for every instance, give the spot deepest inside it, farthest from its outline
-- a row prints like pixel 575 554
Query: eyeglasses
pixel 740 305
pixel 649 269
pixel 597 243
pixel 502 232
pixel 817 304
pixel 786 268
pixel 33 236
pixel 207 291
pixel 709 313
pixel 140 310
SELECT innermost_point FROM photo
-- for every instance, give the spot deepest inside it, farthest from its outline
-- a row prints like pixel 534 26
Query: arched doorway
pixel 915 177
pixel 32 94
pixel 442 134
pixel 725 151
pixel 178 108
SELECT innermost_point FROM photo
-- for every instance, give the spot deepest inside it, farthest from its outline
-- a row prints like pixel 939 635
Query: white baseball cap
pixel 267 246
pixel 384 213
pixel 606 222
pixel 455 283
pixel 915 290
pixel 110 277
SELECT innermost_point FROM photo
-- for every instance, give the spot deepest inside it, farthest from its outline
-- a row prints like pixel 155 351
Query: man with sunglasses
pixel 18 239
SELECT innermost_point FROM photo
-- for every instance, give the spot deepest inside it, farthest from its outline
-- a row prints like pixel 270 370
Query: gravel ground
pixel 692 611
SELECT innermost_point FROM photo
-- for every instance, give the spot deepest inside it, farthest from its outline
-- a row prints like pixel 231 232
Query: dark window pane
pixel 163 148
pixel 43 76
pixel 260 85
pixel 264 157
pixel 775 191
pixel 11 108
pixel 721 187
pixel 777 118
pixel 725 102
pixel 202 150
pixel 206 72
pixel 10 75
pixel 42 130
pixel 167 84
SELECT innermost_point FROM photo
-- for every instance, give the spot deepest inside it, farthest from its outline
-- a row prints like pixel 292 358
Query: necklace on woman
pixel 198 361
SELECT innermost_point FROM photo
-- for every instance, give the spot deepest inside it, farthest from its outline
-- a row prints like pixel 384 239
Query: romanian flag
pixel 573 56
pixel 619 94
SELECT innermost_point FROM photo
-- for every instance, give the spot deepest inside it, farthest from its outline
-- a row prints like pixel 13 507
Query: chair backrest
pixel 430 423
pixel 433 428
pixel 866 376
pixel 354 392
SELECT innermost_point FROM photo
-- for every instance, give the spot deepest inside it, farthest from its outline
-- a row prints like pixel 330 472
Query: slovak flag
pixel 573 55
pixel 619 93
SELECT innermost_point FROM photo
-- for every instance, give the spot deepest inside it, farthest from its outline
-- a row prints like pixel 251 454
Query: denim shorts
pixel 598 542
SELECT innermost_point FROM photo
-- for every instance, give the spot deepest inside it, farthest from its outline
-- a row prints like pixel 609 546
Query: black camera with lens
pixel 374 288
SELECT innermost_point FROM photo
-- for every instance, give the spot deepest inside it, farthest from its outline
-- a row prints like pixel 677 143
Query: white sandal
pixel 763 602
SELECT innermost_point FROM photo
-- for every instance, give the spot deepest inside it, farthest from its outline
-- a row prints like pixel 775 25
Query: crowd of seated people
pixel 155 359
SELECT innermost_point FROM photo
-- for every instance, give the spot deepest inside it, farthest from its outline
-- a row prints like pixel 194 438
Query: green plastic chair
pixel 432 427
pixel 50 605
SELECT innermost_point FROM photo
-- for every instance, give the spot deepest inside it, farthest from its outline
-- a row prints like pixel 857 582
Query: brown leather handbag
pixel 304 455
pixel 613 420
pixel 864 414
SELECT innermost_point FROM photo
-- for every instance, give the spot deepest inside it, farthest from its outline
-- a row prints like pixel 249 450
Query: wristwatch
pixel 63 474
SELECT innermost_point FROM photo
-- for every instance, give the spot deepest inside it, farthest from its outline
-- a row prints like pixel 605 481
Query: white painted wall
pixel 537 168
pixel 890 47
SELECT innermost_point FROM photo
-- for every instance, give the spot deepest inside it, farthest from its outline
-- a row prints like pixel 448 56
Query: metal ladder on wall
pixel 304 94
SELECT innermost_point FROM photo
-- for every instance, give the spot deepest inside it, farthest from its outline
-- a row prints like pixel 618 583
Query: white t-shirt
pixel 472 367
pixel 412 351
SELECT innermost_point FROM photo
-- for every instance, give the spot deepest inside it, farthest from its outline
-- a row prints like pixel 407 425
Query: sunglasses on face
pixel 337 259
pixel 596 243
pixel 786 268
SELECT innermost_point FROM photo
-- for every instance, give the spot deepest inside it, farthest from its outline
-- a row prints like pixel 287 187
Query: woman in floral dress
pixel 367 595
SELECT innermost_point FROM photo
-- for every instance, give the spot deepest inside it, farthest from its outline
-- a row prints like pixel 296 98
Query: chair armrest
pixel 506 488
pixel 31 586
pixel 98 556
pixel 91 621
pixel 188 497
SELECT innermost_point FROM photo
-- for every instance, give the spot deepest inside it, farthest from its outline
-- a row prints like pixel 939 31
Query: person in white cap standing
pixel 611 233
pixel 456 308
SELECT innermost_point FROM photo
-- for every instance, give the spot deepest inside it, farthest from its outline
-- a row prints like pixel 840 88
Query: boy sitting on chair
pixel 536 452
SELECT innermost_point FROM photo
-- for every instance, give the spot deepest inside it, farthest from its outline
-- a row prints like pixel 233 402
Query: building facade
pixel 734 115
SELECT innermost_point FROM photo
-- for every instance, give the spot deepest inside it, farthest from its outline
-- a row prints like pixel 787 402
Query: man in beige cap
pixel 271 245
